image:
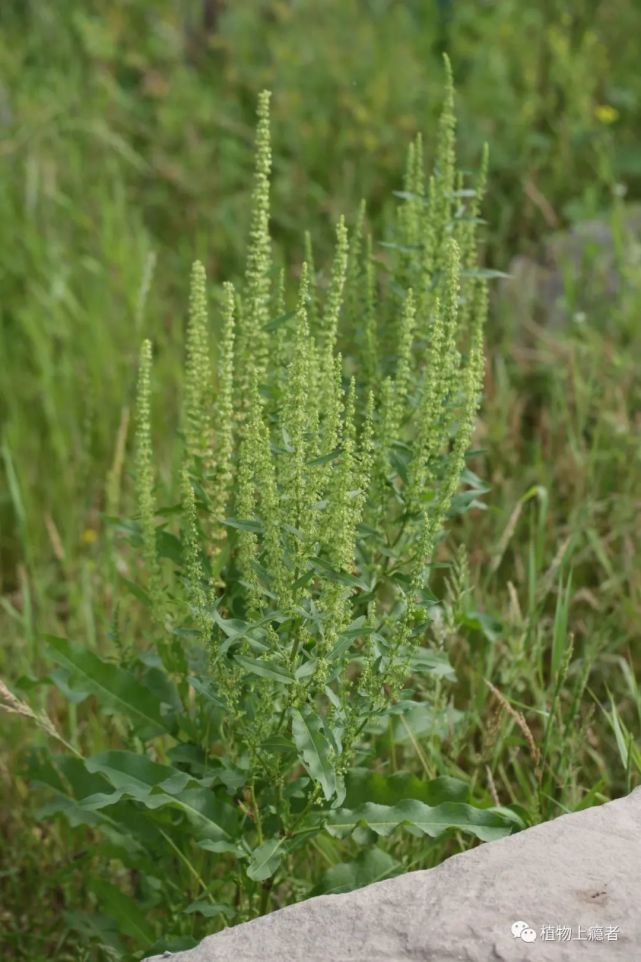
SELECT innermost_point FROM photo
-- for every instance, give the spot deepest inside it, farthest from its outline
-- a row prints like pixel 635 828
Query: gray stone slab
pixel 580 872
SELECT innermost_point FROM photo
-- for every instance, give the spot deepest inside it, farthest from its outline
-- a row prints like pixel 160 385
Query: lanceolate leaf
pixel 112 686
pixel 314 749
pixel 265 669
pixel 487 824
pixel 266 859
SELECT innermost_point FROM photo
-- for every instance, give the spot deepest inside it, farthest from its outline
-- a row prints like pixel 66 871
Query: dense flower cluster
pixel 316 483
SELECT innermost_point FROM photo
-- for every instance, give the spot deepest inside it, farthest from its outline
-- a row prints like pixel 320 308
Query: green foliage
pixel 127 152
pixel 153 100
pixel 281 646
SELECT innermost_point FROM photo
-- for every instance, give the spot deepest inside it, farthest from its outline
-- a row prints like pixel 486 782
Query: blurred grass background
pixel 126 150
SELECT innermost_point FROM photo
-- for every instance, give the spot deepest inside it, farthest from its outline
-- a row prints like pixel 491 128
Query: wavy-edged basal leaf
pixel 487 625
pixel 156 786
pixel 485 823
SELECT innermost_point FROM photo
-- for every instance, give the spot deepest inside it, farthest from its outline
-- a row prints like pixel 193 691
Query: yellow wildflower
pixel 606 113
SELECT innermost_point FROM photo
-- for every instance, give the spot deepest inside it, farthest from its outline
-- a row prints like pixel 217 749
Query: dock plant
pixel 325 424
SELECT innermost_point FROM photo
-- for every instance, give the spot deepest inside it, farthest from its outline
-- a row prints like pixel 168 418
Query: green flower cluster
pixel 322 453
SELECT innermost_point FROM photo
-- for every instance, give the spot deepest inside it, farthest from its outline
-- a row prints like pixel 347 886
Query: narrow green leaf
pixel 325 458
pixel 314 749
pixel 483 272
pixel 340 577
pixel 242 525
pixel 279 321
pixel 265 669
pixel 136 591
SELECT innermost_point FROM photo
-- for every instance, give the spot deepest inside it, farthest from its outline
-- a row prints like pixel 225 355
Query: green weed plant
pixel 322 447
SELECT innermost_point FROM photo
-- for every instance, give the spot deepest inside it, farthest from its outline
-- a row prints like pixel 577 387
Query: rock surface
pixel 573 884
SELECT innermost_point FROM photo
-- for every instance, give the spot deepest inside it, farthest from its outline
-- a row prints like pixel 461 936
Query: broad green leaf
pixel 169 944
pixel 488 626
pixel 236 629
pixel 278 745
pixel 433 661
pixel 371 866
pixel 364 786
pixel 112 686
pixel 314 749
pixel 62 679
pixel 266 859
pixel 486 824
pixel 210 817
pixel 169 546
pixel 157 786
pixel 137 774
pixel 210 910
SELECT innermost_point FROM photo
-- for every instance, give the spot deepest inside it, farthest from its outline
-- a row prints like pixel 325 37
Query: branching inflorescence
pixel 313 501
